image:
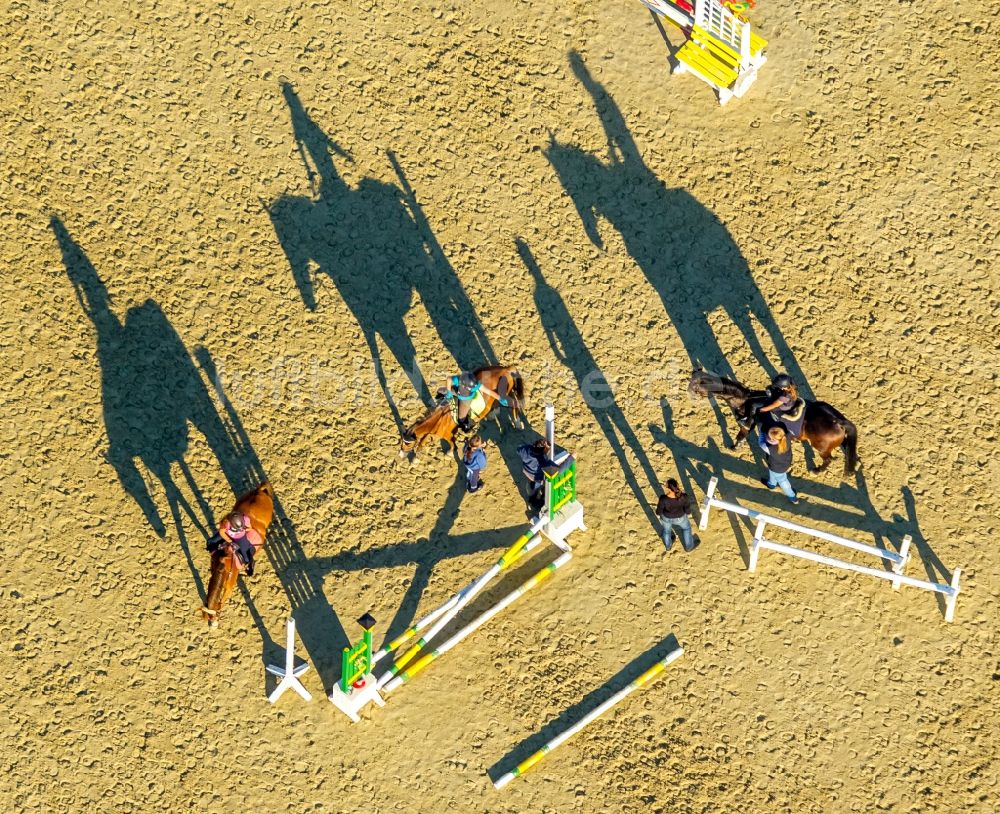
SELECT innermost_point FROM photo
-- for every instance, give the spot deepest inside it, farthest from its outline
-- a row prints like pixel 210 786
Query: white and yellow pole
pixel 566 734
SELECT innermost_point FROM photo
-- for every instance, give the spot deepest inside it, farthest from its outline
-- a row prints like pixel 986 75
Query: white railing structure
pixel 722 24
pixel 897 560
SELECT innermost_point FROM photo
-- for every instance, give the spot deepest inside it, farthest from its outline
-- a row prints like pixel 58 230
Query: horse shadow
pixel 375 244
pixel 571 350
pixel 570 716
pixel 317 623
pixel 150 393
pixel 685 252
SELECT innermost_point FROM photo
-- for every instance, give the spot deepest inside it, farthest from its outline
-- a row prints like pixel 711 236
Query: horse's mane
pixel 716 385
pixel 222 564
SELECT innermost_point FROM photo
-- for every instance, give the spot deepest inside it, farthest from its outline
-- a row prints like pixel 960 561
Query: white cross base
pixel 289 673
pixel 353 700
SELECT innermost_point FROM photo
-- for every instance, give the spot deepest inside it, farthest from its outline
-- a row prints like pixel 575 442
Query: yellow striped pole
pixel 411 631
pixel 480 620
pixel 525 543
pixel 566 734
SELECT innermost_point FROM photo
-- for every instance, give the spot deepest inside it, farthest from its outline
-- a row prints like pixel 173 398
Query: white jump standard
pixel 897 560
pixel 289 673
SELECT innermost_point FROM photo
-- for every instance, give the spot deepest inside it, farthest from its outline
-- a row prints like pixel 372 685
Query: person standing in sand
pixel 779 461
pixel 785 408
pixel 474 461
pixel 672 509
pixel 534 458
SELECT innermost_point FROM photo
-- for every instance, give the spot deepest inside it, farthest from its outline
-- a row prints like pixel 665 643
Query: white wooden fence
pixel 897 560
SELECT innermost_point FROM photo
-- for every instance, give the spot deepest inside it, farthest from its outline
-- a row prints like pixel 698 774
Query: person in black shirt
pixel 779 461
pixel 534 458
pixel 672 509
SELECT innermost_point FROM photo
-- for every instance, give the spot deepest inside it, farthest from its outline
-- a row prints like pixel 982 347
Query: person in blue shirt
pixel 464 388
pixel 474 461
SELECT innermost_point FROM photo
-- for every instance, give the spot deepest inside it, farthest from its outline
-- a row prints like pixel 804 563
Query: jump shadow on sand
pixel 570 349
pixel 573 714
pixel 685 252
pixel 376 245
pixel 152 393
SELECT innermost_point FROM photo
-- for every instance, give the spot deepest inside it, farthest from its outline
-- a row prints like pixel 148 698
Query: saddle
pixel 476 409
pixel 217 541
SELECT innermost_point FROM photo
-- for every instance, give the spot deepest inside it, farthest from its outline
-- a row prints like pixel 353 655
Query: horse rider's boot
pixel 250 567
pixel 465 424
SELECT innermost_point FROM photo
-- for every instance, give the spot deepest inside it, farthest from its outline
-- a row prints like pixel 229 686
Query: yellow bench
pixel 717 62
pixel 707 65
pixel 710 57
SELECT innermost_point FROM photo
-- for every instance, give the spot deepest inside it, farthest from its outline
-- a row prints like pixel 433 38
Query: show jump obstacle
pixel 897 560
pixel 562 515
pixel 720 49
pixel 595 713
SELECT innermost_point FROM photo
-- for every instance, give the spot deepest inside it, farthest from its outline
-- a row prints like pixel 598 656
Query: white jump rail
pixel 898 559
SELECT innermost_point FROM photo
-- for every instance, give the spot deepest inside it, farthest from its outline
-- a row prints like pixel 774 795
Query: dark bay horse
pixel 825 427
pixel 258 505
pixel 442 422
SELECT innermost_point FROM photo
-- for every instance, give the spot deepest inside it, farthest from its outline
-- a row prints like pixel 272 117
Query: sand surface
pixel 216 215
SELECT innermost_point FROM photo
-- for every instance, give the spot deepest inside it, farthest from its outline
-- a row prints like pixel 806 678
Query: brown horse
pixel 258 505
pixel 824 427
pixel 442 421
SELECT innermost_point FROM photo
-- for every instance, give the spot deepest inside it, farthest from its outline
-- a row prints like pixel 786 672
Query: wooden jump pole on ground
pixel 462 599
pixel 480 620
pixel 568 733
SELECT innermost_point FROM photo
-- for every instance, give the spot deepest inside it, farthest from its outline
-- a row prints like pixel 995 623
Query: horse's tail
pixel 850 446
pixel 518 390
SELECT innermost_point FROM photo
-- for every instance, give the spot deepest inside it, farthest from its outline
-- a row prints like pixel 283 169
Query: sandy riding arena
pixel 249 241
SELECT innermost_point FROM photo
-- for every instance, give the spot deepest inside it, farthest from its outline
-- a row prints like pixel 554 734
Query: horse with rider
pixel 822 425
pixel 466 400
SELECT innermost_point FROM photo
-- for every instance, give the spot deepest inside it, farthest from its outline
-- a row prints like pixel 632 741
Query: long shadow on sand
pixel 685 252
pixel 570 349
pixel 375 243
pixel 152 393
pixel 317 623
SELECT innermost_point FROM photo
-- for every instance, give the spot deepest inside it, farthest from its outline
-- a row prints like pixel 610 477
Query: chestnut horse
pixel 258 505
pixel 825 427
pixel 442 421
